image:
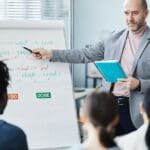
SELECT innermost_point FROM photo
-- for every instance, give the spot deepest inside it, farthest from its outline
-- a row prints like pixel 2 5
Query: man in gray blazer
pixel 131 47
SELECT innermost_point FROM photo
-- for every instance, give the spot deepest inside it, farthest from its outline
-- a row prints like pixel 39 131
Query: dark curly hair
pixel 4 82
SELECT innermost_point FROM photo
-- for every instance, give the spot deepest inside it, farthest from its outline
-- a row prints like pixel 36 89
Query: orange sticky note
pixel 13 96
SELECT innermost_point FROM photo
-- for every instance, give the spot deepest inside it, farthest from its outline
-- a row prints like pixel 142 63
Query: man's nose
pixel 130 17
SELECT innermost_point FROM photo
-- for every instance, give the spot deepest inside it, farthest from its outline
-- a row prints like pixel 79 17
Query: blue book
pixel 111 70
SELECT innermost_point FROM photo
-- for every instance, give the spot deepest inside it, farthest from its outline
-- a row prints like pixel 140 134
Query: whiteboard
pixel 40 93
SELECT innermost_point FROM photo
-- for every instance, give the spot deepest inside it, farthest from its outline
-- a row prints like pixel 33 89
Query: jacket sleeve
pixel 144 85
pixel 84 55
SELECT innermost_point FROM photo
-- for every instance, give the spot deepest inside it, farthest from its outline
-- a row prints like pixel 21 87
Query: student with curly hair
pixel 11 136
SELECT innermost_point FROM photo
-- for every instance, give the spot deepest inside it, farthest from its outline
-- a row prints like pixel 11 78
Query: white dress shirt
pixel 134 140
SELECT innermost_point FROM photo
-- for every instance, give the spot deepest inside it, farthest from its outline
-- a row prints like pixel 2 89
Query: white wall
pixel 92 17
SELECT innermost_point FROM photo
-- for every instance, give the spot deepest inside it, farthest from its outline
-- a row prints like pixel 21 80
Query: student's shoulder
pixel 77 147
pixel 114 148
pixel 133 135
pixel 11 129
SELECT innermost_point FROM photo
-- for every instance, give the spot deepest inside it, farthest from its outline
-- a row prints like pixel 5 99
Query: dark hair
pixel 4 82
pixel 102 108
pixel 146 104
pixel 144 4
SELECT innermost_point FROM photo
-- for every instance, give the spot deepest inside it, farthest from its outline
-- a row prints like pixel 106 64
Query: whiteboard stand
pixel 44 88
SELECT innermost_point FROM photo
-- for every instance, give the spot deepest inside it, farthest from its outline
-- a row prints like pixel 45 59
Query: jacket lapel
pixel 121 45
pixel 145 40
pixel 119 51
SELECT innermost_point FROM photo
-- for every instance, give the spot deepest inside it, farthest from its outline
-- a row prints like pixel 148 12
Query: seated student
pixel 139 139
pixel 100 113
pixel 11 137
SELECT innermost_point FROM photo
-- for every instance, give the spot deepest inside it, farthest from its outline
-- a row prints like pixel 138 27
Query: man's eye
pixel 126 13
pixel 135 13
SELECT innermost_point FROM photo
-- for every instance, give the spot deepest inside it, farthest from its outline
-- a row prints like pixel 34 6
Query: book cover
pixel 111 70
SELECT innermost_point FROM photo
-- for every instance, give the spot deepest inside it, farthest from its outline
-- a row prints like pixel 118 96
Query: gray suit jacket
pixel 112 49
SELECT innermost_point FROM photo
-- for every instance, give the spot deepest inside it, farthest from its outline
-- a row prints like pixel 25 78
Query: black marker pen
pixel 28 49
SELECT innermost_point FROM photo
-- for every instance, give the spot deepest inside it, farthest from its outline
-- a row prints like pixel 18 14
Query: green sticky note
pixel 41 95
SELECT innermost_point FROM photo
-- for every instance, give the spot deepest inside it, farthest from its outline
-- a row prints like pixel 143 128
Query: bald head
pixel 136 12
pixel 141 3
